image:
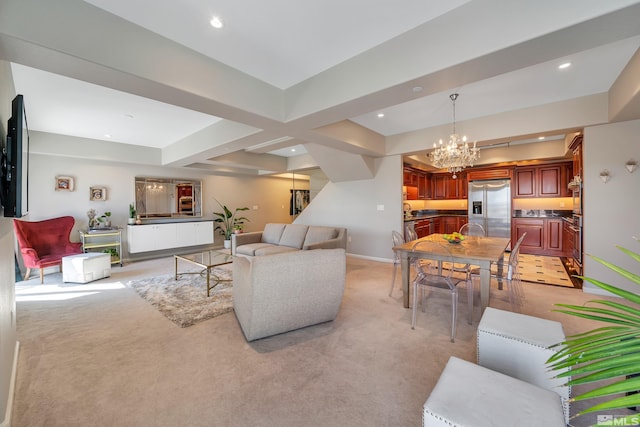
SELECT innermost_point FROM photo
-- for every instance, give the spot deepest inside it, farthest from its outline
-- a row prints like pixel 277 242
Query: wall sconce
pixel 631 165
pixel 604 176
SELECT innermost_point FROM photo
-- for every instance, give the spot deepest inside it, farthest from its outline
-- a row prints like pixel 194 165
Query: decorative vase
pixel 227 244
pixel 138 220
pixel 132 221
pixel 107 223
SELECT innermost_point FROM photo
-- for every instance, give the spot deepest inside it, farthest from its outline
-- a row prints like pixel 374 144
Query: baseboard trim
pixel 370 258
pixel 14 370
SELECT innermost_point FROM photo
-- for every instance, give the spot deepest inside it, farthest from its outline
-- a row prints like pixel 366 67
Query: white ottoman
pixel 470 395
pixel 517 345
pixel 83 268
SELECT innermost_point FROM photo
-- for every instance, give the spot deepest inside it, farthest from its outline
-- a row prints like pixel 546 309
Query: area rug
pixel 184 301
pixel 543 269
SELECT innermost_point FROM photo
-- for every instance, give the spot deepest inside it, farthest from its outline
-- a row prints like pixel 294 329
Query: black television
pixel 15 164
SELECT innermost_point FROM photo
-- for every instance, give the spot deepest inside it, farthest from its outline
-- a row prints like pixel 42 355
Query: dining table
pixel 474 250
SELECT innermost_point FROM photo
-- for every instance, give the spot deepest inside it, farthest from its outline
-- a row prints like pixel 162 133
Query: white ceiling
pixel 289 43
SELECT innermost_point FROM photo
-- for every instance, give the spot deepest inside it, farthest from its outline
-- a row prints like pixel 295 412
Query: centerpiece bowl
pixel 454 237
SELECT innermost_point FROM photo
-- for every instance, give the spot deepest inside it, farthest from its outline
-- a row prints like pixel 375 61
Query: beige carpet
pixel 99 355
pixel 545 270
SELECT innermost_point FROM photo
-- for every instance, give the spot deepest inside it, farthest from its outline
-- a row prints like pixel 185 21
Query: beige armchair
pixel 278 293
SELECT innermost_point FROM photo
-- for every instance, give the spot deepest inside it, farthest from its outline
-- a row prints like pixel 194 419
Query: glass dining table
pixel 474 250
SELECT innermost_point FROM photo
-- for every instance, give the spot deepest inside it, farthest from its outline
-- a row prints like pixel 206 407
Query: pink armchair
pixel 44 243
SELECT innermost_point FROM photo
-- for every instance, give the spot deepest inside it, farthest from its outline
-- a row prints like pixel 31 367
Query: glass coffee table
pixel 206 260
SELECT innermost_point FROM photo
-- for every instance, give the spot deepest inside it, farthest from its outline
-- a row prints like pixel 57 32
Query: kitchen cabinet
pixel 444 186
pixel 423 227
pixel 424 186
pixel 155 237
pixel 544 235
pixel 576 151
pixel 541 181
pixel 409 177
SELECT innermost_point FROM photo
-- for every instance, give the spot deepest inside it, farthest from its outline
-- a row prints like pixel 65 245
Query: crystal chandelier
pixel 456 154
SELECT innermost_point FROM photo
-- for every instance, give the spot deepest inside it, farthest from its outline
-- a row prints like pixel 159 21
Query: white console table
pixel 155 237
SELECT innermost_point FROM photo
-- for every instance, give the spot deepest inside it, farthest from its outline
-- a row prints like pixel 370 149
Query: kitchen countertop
pixel 419 215
pixel 541 213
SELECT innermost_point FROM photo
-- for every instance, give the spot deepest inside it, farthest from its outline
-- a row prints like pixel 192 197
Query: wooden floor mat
pixel 543 269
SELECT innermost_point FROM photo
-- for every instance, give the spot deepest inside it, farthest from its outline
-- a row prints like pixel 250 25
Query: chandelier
pixel 457 154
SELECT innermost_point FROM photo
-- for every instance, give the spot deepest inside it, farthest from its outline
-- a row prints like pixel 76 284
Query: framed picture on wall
pixel 64 183
pixel 97 194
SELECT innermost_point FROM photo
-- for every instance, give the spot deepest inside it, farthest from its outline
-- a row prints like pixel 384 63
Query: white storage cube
pixel 470 395
pixel 518 345
pixel 87 267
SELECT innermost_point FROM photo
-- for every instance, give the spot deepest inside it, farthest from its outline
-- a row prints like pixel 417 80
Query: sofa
pixel 44 243
pixel 286 291
pixel 278 238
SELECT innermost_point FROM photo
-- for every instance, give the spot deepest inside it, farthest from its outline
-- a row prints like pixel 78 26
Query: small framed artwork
pixel 97 194
pixel 64 183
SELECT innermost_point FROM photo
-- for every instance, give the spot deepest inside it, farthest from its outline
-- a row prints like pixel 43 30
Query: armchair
pixel 44 243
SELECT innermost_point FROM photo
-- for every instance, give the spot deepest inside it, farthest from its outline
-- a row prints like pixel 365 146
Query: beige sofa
pixel 282 292
pixel 278 238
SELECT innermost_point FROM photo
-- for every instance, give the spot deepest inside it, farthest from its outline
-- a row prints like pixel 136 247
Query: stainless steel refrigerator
pixel 490 206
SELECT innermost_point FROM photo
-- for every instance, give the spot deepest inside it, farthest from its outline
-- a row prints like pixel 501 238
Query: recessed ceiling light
pixel 216 22
pixel 417 89
pixel 565 65
pixel 293 150
pixel 107 135
pixel 380 115
pixel 541 138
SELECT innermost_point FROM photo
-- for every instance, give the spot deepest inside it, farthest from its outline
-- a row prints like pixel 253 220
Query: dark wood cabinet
pixel 450 224
pixel 439 184
pixel 444 186
pixel 576 151
pixel 423 227
pixel 525 183
pixel 409 177
pixel 424 186
pixel 567 240
pixel 544 235
pixel 541 181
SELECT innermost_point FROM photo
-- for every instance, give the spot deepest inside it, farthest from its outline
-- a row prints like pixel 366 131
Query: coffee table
pixel 206 260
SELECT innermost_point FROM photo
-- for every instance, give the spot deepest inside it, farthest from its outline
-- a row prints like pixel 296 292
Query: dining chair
pixel 397 240
pixel 510 275
pixel 469 229
pixel 410 234
pixel 435 277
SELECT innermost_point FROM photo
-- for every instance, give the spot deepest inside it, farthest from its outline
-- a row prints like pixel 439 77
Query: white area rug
pixel 184 301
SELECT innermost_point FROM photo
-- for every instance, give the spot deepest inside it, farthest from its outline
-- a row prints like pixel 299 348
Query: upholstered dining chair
pixel 432 277
pixel 397 240
pixel 44 243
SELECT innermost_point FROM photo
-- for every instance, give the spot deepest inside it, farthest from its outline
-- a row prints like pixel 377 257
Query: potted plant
pixel 226 221
pixel 107 222
pixel 609 353
pixel 132 214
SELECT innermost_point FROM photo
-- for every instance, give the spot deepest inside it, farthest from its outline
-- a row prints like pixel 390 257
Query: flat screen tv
pixel 15 163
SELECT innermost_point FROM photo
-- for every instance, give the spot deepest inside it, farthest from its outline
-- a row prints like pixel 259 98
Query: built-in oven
pixel 576 227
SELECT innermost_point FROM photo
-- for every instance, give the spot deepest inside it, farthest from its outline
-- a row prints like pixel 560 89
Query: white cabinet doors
pixel 155 237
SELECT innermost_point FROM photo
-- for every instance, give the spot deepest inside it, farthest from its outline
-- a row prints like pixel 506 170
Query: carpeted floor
pixel 99 355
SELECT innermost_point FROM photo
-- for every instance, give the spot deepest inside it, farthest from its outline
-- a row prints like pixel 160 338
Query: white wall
pixel 612 210
pixel 8 341
pixel 270 196
pixel 355 204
